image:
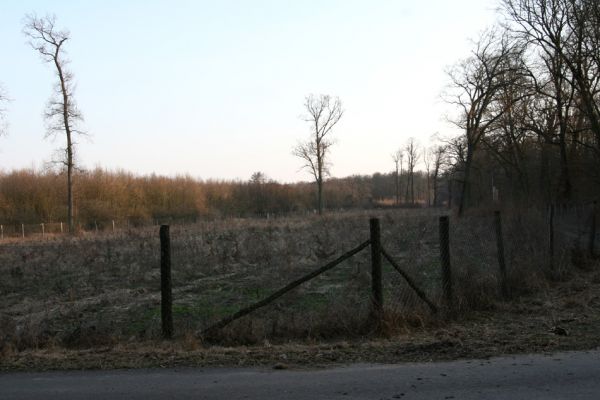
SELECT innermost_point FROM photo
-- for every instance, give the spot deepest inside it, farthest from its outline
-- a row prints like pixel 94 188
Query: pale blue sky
pixel 216 88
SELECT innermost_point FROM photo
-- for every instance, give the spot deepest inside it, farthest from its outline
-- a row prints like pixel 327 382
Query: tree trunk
pixel 65 107
pixel 320 196
pixel 545 183
pixel 397 186
pixel 465 186
pixel 412 187
pixel 565 180
pixel 435 187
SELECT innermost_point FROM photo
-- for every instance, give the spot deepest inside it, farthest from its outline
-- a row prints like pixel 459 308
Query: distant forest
pixel 28 196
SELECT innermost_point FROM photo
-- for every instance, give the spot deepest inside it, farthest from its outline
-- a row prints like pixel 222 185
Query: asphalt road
pixel 560 376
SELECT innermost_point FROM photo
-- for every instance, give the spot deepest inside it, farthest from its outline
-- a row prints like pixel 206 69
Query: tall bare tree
pixel 564 36
pixel 475 83
pixel 322 113
pixel 398 157
pixel 62 114
pixel 412 158
pixel 428 161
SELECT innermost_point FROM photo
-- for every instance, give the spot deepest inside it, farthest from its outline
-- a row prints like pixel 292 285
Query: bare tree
pixel 427 161
pixel 412 158
pixel 398 157
pixel 322 113
pixel 475 83
pixel 439 160
pixel 62 114
pixel 564 36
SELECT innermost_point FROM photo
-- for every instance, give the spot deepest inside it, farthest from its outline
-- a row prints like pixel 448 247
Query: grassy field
pixel 103 289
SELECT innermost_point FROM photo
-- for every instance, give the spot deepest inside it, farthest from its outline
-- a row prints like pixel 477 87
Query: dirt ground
pixel 564 316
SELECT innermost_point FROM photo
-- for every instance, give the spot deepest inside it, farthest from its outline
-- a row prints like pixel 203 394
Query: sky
pixel 215 89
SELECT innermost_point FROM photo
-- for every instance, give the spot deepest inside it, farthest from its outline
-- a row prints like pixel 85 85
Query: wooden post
pixel 165 283
pixel 376 286
pixel 551 237
pixel 113 225
pixel 2 232
pixel 445 260
pixel 500 249
pixel 592 239
pixel 43 230
pixel 61 228
pixel 23 230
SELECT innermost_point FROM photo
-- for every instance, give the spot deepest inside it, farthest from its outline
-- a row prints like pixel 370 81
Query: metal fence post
pixel 500 249
pixel 165 283
pixel 592 239
pixel 445 260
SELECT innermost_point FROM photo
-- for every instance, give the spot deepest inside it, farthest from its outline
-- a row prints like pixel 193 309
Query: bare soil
pixel 562 316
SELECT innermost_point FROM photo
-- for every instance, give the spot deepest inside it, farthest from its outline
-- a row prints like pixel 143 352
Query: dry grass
pixel 565 316
pixel 102 291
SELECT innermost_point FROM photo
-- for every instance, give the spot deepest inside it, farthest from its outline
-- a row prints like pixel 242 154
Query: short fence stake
pixel 376 286
pixel 113 225
pixel 61 228
pixel 500 249
pixel 165 283
pixel 43 230
pixel 445 260
pixel 23 230
pixel 592 242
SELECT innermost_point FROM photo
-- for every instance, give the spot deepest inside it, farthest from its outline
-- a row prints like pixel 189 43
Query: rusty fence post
pixel 500 249
pixel 166 299
pixel 445 260
pixel 592 238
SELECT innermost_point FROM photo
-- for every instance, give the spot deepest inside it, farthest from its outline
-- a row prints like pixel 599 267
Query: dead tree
pixel 438 159
pixel 412 158
pixel 398 157
pixel 322 113
pixel 564 36
pixel 475 83
pixel 62 114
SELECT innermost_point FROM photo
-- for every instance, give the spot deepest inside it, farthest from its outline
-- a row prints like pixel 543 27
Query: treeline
pixel 29 196
pixel 528 104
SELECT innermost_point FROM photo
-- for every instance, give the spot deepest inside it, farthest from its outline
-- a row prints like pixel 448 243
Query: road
pixel 573 375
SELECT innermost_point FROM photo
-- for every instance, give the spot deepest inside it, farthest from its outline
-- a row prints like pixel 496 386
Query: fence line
pixel 377 251
pixel 430 262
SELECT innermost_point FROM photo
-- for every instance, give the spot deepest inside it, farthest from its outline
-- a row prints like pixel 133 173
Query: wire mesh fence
pixel 412 242
pixel 92 289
